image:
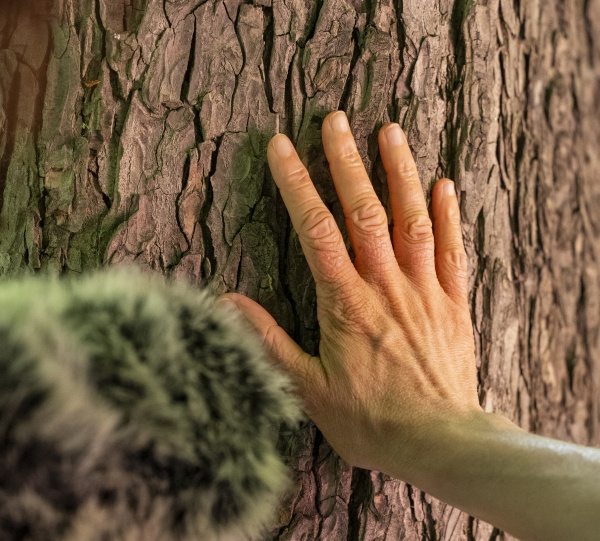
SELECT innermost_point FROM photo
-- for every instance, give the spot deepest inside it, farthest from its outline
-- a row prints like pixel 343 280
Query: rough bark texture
pixel 135 130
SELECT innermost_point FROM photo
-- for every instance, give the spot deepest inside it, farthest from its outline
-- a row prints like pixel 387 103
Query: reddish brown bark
pixel 135 131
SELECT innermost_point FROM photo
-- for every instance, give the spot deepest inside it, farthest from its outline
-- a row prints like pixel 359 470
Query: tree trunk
pixel 136 130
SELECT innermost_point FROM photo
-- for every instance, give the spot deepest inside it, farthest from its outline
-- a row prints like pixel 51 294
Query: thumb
pixel 305 370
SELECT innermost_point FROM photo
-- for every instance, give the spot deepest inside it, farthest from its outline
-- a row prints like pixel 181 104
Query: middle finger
pixel 366 219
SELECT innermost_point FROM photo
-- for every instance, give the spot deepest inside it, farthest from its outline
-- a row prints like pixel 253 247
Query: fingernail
pixel 394 135
pixel 339 122
pixel 448 188
pixel 282 145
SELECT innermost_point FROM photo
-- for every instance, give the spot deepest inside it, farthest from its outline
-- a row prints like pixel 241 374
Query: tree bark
pixel 136 131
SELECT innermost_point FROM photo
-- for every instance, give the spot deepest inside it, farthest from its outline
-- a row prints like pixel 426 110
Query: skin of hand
pixel 396 350
pixel 394 388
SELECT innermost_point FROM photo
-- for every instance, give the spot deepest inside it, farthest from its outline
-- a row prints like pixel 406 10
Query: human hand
pixel 396 351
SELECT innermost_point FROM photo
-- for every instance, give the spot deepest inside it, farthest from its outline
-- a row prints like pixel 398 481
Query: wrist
pixel 441 445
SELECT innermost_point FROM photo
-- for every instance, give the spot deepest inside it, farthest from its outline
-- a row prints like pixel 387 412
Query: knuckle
pixel 337 286
pixel 370 216
pixel 454 261
pixel 417 228
pixel 270 342
pixel 453 266
pixel 297 176
pixel 319 228
pixel 352 312
pixel 348 154
pixel 407 169
pixel 273 344
pixel 452 215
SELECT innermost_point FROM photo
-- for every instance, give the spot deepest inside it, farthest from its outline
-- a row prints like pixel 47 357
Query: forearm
pixel 530 486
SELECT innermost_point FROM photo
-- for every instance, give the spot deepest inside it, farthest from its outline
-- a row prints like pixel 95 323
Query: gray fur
pixel 132 409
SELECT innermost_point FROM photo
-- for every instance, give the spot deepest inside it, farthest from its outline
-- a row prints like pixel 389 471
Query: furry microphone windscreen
pixel 134 409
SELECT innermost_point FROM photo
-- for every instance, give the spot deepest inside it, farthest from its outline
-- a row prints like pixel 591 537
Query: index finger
pixel 317 230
